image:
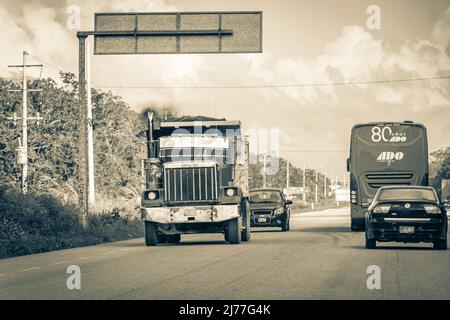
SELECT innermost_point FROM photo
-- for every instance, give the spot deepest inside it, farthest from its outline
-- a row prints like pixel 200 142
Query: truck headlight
pixel 230 192
pixel 151 195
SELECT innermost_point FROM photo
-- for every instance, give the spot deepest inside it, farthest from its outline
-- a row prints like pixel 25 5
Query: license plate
pixel 189 212
pixel 404 229
pixel 262 220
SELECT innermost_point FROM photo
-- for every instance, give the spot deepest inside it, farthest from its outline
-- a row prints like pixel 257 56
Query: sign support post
pixel 156 33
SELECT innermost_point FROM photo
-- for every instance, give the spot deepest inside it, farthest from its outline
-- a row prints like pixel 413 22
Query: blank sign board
pixel 178 32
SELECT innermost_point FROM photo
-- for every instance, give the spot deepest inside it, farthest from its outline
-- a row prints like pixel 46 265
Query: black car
pixel 406 214
pixel 269 208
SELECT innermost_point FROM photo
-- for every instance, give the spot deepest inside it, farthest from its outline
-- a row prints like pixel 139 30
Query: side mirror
pixel 289 202
pixel 348 164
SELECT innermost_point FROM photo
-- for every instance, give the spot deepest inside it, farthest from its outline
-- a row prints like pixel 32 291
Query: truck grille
pixel 197 184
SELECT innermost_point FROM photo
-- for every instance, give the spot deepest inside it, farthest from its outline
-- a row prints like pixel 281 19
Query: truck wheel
pixel 151 234
pixel 234 231
pixel 371 243
pixel 245 234
pixel 285 226
pixel 173 238
pixel 440 244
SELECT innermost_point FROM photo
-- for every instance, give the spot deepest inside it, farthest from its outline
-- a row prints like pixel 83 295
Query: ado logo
pixel 390 156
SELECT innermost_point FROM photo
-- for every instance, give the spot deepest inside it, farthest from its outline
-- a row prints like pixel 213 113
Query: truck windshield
pixel 407 194
pixel 265 196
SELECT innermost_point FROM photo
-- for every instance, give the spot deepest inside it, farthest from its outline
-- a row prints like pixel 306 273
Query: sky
pixel 304 42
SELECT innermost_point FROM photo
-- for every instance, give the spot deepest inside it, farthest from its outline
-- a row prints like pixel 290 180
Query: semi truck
pixel 196 180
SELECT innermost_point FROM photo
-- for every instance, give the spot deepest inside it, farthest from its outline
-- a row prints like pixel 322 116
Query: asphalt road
pixel 318 259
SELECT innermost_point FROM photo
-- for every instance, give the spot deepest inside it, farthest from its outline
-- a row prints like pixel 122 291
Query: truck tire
pixel 245 234
pixel 234 231
pixel 151 233
pixel 371 243
pixel 173 238
pixel 286 223
pixel 162 238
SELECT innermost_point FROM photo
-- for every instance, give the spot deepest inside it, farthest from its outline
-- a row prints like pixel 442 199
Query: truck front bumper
pixel 190 214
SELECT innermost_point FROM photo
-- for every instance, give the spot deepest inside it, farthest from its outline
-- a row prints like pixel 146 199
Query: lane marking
pixel 83 258
pixel 60 262
pixel 30 269
pixel 108 253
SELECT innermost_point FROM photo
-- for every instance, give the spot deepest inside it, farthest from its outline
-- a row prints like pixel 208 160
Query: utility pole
pixel 82 172
pixel 287 174
pixel 22 151
pixel 90 138
pixel 264 171
pixel 325 186
pixel 304 182
pixel 316 198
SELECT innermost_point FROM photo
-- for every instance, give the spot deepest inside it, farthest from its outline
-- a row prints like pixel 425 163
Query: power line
pixel 263 86
pixel 51 65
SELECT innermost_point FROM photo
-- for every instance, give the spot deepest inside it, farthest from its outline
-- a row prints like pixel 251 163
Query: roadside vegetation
pixel 47 218
pixel 40 223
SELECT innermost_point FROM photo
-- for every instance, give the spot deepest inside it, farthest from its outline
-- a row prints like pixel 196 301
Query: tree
pixel 439 167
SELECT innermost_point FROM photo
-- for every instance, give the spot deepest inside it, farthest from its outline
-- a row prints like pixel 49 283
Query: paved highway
pixel 318 259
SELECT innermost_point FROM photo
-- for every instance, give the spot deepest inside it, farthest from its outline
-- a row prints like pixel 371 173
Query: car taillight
pixel 381 209
pixel 432 209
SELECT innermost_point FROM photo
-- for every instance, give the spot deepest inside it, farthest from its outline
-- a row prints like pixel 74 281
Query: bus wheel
pixel 234 231
pixel 356 227
pixel 151 234
pixel 245 235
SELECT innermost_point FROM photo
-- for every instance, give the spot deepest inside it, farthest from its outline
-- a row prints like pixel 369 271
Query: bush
pixel 39 223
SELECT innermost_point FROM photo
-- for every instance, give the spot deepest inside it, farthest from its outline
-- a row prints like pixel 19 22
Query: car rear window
pixel 407 194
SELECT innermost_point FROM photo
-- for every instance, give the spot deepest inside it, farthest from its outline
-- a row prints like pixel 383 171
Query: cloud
pixel 309 117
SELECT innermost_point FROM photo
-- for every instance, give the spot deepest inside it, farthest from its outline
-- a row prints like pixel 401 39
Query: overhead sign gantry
pixel 159 33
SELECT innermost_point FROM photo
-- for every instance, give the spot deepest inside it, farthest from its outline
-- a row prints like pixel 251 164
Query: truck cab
pixel 196 174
